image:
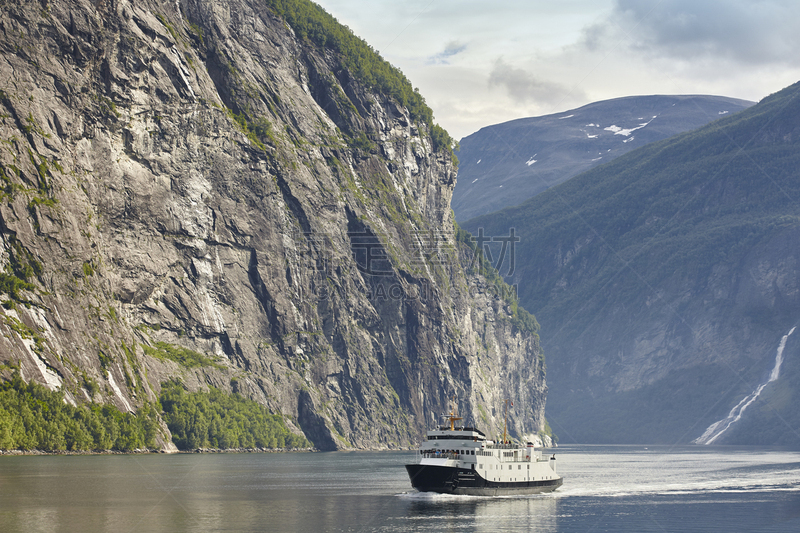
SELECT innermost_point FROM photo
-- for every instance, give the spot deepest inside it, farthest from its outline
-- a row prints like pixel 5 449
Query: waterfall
pixel 719 427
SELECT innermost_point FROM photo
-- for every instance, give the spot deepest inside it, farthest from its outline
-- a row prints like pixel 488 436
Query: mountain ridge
pixel 505 164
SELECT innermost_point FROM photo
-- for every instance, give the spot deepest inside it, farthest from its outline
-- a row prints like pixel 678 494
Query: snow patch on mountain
pixel 627 131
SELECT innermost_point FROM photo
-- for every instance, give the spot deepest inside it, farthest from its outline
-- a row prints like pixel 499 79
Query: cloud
pixel 524 87
pixel 453 48
pixel 560 55
pixel 741 31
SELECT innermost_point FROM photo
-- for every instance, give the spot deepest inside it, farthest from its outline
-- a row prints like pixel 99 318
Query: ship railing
pixel 501 446
pixel 439 455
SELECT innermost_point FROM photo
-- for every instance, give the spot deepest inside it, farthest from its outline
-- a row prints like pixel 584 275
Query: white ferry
pixel 460 460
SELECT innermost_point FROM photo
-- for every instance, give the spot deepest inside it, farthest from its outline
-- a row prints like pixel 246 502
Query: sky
pixel 479 63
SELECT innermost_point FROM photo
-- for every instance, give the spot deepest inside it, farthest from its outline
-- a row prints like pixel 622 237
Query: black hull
pixel 450 480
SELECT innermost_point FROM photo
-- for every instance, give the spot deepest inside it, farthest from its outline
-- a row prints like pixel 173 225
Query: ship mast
pixel 453 416
pixel 505 422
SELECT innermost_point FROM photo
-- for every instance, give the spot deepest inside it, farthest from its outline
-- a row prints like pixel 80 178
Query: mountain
pixel 505 164
pixel 665 282
pixel 240 198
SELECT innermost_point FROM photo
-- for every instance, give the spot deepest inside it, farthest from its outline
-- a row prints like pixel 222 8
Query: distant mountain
pixel 505 164
pixel 666 282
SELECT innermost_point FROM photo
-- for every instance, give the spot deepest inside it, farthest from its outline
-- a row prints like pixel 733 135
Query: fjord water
pixel 606 488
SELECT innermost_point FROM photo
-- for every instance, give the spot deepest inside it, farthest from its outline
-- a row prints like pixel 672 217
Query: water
pixel 606 488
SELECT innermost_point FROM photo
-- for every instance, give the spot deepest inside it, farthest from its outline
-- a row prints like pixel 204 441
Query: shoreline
pixel 155 451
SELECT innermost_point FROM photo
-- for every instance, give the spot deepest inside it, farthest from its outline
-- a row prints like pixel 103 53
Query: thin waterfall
pixel 719 427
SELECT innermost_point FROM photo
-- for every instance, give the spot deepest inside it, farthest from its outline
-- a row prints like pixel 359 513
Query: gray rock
pixel 295 261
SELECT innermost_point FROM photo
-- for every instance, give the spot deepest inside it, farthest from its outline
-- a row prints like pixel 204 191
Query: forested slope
pixel 665 280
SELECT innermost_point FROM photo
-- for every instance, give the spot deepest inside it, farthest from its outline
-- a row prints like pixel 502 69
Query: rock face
pixel 193 175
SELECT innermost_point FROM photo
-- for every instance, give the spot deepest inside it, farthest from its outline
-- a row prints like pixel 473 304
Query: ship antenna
pixel 505 422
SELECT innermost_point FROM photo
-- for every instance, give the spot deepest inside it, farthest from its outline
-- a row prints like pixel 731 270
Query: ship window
pixel 529 467
pixel 519 467
pixel 509 467
pixel 480 466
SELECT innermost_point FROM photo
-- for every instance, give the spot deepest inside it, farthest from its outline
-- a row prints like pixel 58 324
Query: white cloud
pixel 751 32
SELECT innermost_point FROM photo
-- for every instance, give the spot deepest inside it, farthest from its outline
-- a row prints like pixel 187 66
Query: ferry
pixel 461 460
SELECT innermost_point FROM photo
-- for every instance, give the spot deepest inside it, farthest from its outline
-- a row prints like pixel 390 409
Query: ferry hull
pixel 453 480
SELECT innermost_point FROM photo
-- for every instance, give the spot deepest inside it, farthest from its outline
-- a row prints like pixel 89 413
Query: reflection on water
pixel 457 513
pixel 624 488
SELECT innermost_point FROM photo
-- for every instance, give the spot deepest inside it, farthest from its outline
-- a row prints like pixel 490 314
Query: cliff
pixel 197 180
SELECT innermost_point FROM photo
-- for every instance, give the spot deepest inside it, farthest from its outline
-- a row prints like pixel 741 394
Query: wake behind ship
pixel 462 461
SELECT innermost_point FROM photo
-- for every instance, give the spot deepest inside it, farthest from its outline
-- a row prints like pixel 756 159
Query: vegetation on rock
pixel 183 356
pixel 310 21
pixel 33 417
pixel 216 419
pixel 522 319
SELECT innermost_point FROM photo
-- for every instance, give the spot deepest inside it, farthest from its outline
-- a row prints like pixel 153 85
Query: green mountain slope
pixel 665 279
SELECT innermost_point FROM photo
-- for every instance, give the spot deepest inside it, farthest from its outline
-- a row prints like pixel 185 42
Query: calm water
pixel 619 488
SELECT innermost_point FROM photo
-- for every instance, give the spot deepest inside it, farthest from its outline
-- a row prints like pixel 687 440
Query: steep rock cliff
pixel 195 176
